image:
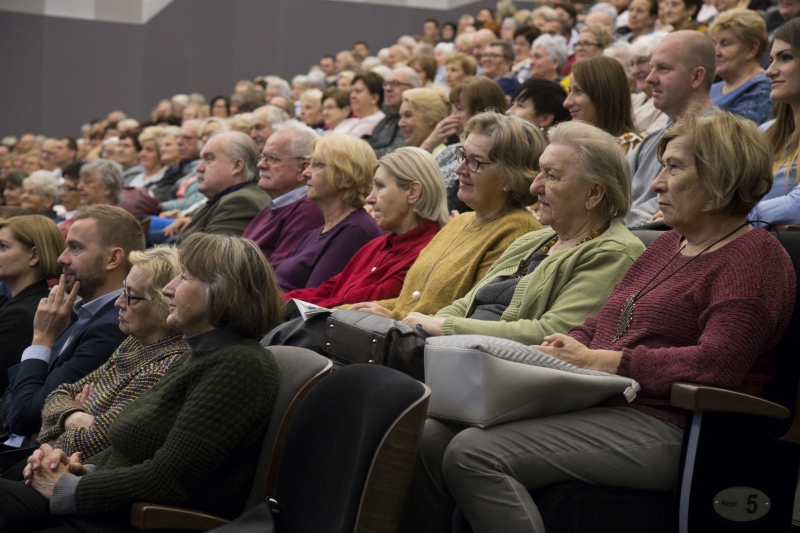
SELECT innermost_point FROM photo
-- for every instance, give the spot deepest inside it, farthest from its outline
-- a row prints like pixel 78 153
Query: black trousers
pixel 24 510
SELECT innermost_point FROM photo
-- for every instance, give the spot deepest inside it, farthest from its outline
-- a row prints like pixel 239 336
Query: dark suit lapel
pixel 60 348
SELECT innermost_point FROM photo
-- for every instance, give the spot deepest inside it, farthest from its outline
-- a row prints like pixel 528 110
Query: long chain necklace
pixel 416 294
pixel 626 317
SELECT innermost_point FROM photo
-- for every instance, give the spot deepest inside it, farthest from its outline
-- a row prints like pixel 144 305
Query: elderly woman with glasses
pixel 498 161
pixel 193 439
pixel 77 416
pixel 339 180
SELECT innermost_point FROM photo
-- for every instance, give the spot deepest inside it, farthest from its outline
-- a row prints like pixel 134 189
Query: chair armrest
pixel 146 516
pixel 701 398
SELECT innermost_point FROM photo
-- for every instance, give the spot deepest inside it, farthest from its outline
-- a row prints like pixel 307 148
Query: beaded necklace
pixel 595 233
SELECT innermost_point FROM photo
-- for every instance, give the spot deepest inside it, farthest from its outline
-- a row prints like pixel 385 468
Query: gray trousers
pixel 490 472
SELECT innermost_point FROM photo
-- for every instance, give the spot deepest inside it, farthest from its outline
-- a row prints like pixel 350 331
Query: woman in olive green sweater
pixel 550 280
pixel 194 438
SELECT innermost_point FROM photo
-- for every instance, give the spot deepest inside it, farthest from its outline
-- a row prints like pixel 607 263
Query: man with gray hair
pixel 684 66
pixel 227 177
pixel 386 136
pixel 290 215
pixel 263 122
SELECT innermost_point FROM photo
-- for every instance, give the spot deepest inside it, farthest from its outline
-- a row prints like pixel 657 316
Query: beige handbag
pixel 482 381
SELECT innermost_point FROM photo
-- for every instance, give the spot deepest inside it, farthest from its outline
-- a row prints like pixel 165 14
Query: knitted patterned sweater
pixel 713 323
pixel 192 440
pixel 130 371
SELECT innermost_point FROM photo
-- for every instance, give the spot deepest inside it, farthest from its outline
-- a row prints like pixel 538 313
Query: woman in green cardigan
pixel 550 280
pixel 194 438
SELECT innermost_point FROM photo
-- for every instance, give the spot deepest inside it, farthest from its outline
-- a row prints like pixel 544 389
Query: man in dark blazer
pixel 227 176
pixel 75 329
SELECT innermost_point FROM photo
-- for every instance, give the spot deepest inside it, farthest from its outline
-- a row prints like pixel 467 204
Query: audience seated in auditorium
pixel 556 277
pixel 599 95
pixel 12 191
pixel 523 39
pixel 592 40
pixel 188 143
pixel 339 179
pixel 642 16
pixel 470 97
pixel 408 202
pixel 712 290
pixel 290 215
pixel 29 250
pixel 740 37
pixel 227 177
pixel 387 136
pixel 127 155
pixel 100 182
pixel 69 197
pixel 76 416
pixel 262 122
pixel 496 61
pixel 73 337
pixel 65 151
pixel 40 193
pixel 458 68
pixel 425 66
pixel 335 107
pixel 497 164
pixel 193 440
pixel 420 112
pixel 683 64
pixel 366 100
pixel 149 158
pixel 681 15
pixel 781 205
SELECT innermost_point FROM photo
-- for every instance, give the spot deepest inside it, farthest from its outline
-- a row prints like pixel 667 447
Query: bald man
pixel 684 66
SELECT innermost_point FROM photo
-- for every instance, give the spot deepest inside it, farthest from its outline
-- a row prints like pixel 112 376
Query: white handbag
pixel 482 381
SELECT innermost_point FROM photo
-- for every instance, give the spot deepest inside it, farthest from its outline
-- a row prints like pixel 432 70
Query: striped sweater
pixel 129 372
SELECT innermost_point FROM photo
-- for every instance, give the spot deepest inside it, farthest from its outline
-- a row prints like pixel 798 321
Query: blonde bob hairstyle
pixel 434 104
pixel 152 133
pixel 733 160
pixel 600 161
pixel 160 265
pixel 37 231
pixel 408 165
pixel 241 291
pixel 516 146
pixel 350 164
pixel 746 25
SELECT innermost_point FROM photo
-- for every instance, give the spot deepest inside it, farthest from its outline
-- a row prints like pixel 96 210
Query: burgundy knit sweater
pixel 713 323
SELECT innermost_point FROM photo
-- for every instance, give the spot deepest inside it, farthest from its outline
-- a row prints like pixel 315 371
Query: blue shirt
pixel 781 205
pixel 289 198
pixel 750 100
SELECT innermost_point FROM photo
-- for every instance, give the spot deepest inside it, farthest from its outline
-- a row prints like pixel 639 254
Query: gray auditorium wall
pixel 58 73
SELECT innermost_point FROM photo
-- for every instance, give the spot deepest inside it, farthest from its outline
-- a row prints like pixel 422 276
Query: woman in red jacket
pixel 408 201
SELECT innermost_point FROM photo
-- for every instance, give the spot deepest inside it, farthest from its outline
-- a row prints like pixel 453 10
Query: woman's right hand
pixel 84 394
pixel 370 307
pixel 447 127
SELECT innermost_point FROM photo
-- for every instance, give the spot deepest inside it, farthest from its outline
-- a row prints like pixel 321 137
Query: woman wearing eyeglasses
pixel 76 417
pixel 339 180
pixel 498 161
pixel 592 40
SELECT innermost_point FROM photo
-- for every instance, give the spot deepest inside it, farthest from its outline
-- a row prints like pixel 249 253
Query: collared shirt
pixel 232 188
pixel 85 312
pixel 289 198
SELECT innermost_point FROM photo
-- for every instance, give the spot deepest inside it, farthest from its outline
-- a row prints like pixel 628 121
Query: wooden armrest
pixel 787 228
pixel 702 398
pixel 146 516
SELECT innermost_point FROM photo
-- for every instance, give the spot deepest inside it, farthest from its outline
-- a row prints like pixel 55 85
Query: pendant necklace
pixel 626 317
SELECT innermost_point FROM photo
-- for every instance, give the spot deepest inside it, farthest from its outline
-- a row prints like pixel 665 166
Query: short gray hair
pixel 45 183
pixel 303 137
pixel 447 48
pixel 607 8
pixel 283 85
pixel 317 77
pixel 600 161
pixel 241 146
pixel 646 44
pixel 556 47
pixel 109 172
pixel 275 115
pixel 413 77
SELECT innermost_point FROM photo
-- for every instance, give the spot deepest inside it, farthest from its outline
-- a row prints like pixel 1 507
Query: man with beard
pixel 75 329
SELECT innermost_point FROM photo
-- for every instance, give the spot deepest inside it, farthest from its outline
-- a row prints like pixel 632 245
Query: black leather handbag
pixel 359 337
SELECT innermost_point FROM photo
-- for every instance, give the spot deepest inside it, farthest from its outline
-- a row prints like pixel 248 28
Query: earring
pixel 505 189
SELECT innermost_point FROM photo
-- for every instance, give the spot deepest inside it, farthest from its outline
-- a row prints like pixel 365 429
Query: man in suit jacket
pixel 75 329
pixel 227 176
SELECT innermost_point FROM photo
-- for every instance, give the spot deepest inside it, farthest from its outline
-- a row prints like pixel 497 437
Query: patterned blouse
pixel 628 141
pixel 130 371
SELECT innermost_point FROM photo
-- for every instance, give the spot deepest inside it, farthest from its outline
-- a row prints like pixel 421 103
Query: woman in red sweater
pixel 408 201
pixel 705 303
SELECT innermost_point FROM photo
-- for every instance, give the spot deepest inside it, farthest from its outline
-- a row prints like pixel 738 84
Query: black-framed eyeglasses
pixel 472 164
pixel 127 294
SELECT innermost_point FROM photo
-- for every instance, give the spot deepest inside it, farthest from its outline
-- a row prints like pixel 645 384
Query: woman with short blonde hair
pixel 311 109
pixel 458 68
pixel 740 38
pixel 420 112
pixel 339 180
pixel 408 202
